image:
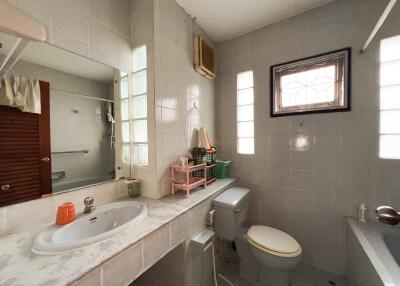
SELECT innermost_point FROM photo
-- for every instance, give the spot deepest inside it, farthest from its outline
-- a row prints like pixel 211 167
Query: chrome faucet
pixel 387 215
pixel 89 207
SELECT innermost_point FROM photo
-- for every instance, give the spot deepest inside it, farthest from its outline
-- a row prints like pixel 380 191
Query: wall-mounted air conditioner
pixel 203 58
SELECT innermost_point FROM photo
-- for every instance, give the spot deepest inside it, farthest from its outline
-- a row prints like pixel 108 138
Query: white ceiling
pixel 225 19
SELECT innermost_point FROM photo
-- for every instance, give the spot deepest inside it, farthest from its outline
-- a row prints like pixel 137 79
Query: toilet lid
pixel 273 239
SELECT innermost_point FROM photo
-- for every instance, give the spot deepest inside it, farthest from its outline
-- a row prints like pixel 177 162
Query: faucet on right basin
pixel 387 215
pixel 89 207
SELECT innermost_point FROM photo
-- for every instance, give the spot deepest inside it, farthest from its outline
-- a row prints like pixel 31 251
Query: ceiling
pixel 225 19
pixel 58 59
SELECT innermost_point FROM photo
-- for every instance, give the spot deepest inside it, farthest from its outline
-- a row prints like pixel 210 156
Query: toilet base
pixel 253 261
pixel 249 268
pixel 273 277
pixel 275 270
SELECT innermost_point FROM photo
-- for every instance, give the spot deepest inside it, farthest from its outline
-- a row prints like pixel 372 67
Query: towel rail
pixel 378 25
pixel 85 151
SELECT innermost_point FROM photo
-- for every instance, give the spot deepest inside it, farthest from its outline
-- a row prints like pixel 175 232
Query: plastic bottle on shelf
pixel 361 212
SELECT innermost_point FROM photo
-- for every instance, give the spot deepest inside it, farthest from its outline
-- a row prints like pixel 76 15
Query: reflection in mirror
pixel 59 129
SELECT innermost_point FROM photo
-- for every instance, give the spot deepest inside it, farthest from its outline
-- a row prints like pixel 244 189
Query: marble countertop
pixel 20 266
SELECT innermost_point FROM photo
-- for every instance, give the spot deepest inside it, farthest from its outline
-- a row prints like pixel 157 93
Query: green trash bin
pixel 222 169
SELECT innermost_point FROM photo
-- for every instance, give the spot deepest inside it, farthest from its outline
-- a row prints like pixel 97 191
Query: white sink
pixel 106 221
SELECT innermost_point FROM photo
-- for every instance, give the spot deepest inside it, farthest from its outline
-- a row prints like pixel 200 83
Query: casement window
pixel 315 84
pixel 245 113
pixel 389 143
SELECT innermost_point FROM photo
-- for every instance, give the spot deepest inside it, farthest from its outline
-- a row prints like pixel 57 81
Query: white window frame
pixel 250 120
pixel 389 141
pixel 122 166
pixel 135 160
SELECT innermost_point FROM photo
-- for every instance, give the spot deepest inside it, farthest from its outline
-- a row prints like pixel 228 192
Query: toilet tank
pixel 231 208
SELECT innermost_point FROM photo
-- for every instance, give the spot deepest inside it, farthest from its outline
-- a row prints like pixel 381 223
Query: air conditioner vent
pixel 203 58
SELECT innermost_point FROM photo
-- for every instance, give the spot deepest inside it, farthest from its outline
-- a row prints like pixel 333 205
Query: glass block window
pixel 140 82
pixel 124 105
pixel 316 84
pixel 141 154
pixel 138 100
pixel 124 85
pixel 140 59
pixel 389 143
pixel 139 106
pixel 126 155
pixel 245 113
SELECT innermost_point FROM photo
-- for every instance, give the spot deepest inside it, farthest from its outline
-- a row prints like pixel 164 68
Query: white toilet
pixel 267 254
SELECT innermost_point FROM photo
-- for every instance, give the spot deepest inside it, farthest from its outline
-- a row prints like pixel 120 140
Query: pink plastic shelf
pixel 193 183
pixel 179 168
pixel 189 183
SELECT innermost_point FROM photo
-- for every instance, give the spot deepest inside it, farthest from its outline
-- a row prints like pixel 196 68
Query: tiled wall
pixel 91 122
pixel 307 193
pixel 97 29
pixel 105 30
pixel 65 95
pixel 177 88
pixel 142 26
pixel 173 88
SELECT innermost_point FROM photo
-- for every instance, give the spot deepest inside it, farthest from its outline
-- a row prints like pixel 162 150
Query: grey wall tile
pixel 178 87
pixel 339 167
pixel 77 25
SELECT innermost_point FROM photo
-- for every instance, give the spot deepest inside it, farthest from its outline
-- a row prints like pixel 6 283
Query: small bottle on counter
pixel 361 212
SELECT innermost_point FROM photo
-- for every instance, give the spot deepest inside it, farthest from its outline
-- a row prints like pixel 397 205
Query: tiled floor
pixel 302 276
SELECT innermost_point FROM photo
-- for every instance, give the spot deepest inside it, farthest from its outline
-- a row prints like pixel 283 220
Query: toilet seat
pixel 273 241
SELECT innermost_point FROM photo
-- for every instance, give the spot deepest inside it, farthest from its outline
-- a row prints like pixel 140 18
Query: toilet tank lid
pixel 231 198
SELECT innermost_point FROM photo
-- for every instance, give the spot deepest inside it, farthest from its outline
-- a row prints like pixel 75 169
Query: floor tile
pixel 302 276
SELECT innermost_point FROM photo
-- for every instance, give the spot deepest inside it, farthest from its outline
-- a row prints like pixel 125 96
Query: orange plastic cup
pixel 65 213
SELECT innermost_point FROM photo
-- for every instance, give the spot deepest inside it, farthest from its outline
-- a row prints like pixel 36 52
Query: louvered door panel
pixel 24 140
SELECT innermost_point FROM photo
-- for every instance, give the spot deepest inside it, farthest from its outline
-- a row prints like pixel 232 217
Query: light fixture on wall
pixel 301 143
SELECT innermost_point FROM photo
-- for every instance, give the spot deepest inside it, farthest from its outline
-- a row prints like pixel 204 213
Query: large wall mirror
pixel 59 123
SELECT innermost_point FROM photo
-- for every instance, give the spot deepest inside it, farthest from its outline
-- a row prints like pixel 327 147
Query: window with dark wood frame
pixel 312 85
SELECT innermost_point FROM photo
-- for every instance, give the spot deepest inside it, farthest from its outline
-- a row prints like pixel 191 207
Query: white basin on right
pixel 104 222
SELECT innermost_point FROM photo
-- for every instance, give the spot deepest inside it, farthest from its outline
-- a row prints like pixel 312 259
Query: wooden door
pixel 25 167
